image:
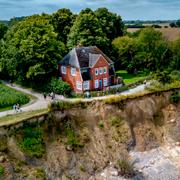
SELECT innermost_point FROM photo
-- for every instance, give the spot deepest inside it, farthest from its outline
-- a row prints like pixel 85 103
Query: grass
pixel 130 78
pixel 31 141
pixel 9 97
pixel 1 170
pixel 12 119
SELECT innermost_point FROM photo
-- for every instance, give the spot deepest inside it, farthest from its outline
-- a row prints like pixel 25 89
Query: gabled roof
pixel 83 57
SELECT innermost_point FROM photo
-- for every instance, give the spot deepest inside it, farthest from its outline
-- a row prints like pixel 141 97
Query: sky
pixel 128 9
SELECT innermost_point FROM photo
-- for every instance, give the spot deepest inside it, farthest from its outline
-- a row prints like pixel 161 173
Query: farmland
pixel 170 34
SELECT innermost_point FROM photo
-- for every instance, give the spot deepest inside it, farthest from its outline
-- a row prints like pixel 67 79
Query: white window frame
pixel 79 85
pixel 96 71
pixel 63 69
pixel 73 71
pixel 96 84
pixel 86 85
pixel 105 70
pixel 105 82
pixel 101 70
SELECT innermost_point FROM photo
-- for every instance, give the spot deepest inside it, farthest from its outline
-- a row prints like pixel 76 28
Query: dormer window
pixel 73 71
pixel 63 69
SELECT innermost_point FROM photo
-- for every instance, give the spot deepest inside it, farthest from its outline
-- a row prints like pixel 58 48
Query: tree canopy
pixel 31 50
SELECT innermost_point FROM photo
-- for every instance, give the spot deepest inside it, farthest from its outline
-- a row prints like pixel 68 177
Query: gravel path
pixel 41 103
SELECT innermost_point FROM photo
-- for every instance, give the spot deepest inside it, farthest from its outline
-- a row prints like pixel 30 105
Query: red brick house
pixel 87 68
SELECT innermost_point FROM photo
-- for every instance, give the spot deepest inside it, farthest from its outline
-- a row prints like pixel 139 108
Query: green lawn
pixel 130 78
pixel 9 97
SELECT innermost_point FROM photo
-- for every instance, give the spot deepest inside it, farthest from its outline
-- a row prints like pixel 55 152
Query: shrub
pixel 175 97
pixel 32 142
pixel 126 167
pixel 163 77
pixel 116 121
pixel 59 87
pixel 101 125
pixel 1 170
pixel 73 139
pixel 40 173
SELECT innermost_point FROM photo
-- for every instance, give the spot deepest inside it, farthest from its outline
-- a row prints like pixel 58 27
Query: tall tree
pixel 62 21
pixel 31 50
pixel 111 23
pixel 87 31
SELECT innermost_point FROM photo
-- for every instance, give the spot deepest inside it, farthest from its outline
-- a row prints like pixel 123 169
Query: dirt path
pixel 41 103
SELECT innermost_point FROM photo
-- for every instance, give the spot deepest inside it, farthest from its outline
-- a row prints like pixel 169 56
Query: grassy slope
pixel 130 78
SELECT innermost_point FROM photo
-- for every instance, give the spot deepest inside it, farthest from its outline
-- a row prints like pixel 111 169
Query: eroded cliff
pixel 81 141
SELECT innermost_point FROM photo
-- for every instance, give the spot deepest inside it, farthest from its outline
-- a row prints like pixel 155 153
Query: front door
pixel 100 84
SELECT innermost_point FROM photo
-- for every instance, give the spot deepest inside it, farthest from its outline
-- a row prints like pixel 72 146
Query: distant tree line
pixel 175 24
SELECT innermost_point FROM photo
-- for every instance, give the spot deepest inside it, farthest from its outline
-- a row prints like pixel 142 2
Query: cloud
pixel 128 9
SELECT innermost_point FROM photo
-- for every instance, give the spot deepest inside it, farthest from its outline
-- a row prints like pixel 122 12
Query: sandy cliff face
pixel 82 141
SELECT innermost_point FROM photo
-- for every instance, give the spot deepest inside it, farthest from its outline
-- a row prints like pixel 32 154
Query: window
pixel 86 85
pixel 105 70
pixel 63 69
pixel 79 85
pixel 96 84
pixel 96 71
pixel 73 71
pixel 100 70
pixel 105 82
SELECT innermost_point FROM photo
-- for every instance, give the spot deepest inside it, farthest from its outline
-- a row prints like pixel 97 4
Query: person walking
pixel 15 108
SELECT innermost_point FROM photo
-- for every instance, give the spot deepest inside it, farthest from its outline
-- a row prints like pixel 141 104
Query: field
pixel 170 34
pixel 130 78
pixel 9 97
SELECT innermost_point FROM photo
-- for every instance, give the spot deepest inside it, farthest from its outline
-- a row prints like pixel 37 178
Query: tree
pixel 127 48
pixel 111 23
pixel 87 31
pixel 3 30
pixel 31 51
pixel 178 23
pixel 172 24
pixel 176 54
pixel 155 48
pixel 62 21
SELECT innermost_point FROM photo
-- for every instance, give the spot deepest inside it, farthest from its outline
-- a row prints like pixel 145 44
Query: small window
pixel 73 71
pixel 79 85
pixel 105 70
pixel 63 69
pixel 86 85
pixel 96 84
pixel 105 82
pixel 96 71
pixel 100 70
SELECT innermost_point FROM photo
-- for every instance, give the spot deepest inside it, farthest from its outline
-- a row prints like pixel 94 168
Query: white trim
pixel 96 84
pixel 105 82
pixel 79 85
pixel 73 71
pixel 63 69
pixel 86 85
